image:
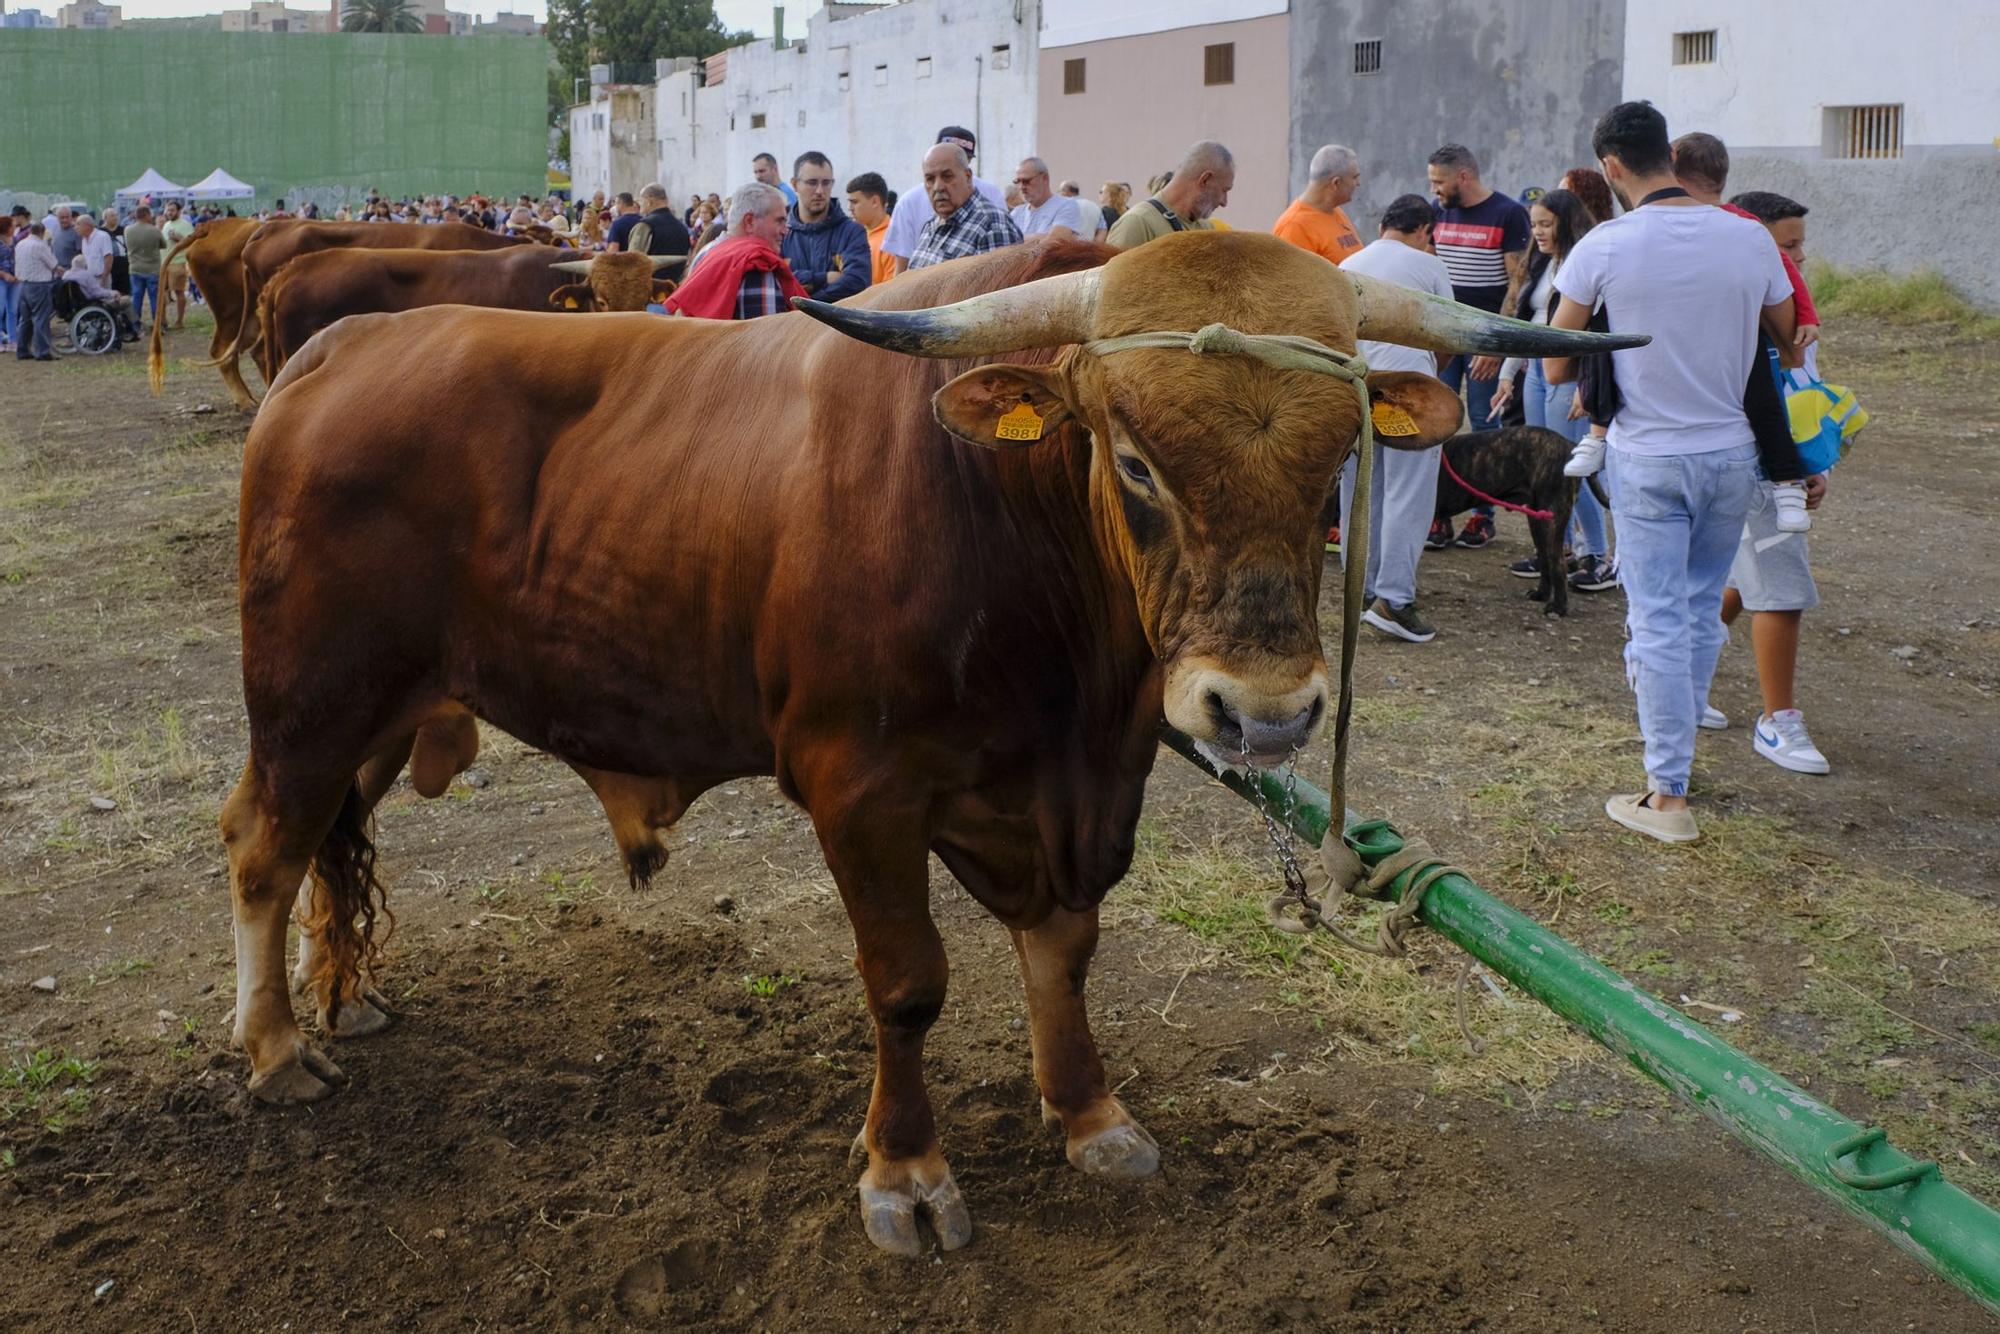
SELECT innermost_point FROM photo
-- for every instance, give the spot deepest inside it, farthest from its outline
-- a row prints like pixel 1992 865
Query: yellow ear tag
pixel 1022 422
pixel 1391 420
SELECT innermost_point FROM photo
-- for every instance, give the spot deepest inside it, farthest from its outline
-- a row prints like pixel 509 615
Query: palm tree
pixel 380 16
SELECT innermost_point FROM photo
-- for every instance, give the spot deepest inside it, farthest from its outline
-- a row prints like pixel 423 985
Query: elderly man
pixel 97 248
pixel 1043 212
pixel 913 208
pixel 742 275
pixel 65 238
pixel 965 222
pixel 35 265
pixel 1200 186
pixel 100 291
pixel 827 250
pixel 1316 220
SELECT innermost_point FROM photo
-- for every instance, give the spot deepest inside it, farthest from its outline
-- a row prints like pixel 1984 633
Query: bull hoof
pixel 307 1079
pixel 364 1016
pixel 1121 1153
pixel 889 1213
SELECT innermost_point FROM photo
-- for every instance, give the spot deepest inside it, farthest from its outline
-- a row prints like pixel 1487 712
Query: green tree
pixel 629 35
pixel 380 16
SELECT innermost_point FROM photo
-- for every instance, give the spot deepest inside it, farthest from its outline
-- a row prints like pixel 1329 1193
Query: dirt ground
pixel 604 1109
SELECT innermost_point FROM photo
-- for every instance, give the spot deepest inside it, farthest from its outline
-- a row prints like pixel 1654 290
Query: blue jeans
pixel 1548 405
pixel 143 285
pixel 10 305
pixel 1679 520
pixel 1478 402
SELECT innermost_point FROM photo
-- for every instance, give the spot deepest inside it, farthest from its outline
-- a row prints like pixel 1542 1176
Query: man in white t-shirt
pixel 913 206
pixel 1045 212
pixel 1403 499
pixel 1683 460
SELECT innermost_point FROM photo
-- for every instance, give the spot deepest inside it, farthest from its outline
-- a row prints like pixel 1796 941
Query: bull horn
pixel 1048 312
pixel 1393 314
pixel 572 265
pixel 667 261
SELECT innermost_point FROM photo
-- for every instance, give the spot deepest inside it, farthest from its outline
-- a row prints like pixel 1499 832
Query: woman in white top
pixel 1557 221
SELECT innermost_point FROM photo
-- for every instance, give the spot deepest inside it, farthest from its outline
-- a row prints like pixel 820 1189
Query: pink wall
pixel 1145 102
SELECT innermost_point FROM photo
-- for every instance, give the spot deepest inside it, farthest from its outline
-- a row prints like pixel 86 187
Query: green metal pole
pixel 1948 1231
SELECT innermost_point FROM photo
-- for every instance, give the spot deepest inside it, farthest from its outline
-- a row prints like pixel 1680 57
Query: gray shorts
pixel 1771 570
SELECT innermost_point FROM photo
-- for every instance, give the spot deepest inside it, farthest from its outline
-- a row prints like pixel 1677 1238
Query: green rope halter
pixel 1292 352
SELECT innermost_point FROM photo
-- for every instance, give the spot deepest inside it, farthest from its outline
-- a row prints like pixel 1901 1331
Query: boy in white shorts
pixel 1771 577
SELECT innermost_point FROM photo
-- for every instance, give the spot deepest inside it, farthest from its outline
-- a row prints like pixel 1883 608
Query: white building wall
pixel 937 66
pixel 613 139
pixel 1779 63
pixel 1074 22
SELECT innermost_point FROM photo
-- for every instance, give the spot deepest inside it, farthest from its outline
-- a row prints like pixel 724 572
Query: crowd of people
pixel 1689 437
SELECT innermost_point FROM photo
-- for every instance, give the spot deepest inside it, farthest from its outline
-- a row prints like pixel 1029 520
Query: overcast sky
pixel 754 15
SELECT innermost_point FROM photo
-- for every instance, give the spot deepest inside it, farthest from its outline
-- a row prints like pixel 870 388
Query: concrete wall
pixel 870 91
pixel 1520 82
pixel 1780 63
pixel 1144 102
pixel 614 140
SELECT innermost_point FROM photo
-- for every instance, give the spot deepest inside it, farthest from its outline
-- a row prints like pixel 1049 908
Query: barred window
pixel 1368 56
pixel 1864 132
pixel 1072 76
pixel 1695 48
pixel 1218 64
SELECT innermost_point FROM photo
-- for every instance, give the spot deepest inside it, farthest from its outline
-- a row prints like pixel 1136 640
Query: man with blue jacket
pixel 826 249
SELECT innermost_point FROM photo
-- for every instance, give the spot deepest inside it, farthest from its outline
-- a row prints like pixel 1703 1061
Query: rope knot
pixel 1218 340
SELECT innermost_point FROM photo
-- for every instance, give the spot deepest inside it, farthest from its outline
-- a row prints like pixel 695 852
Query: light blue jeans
pixel 1401 505
pixel 1547 405
pixel 1679 520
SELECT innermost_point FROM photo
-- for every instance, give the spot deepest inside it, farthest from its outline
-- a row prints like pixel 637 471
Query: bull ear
pixel 1411 410
pixel 571 296
pixel 662 289
pixel 1002 407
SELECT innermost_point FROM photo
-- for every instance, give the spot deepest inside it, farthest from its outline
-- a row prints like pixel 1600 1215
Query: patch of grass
pixel 1372 1009
pixel 770 984
pixel 567 891
pixel 1914 298
pixel 49 1087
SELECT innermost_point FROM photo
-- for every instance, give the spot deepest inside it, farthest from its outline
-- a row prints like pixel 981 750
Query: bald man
pixel 1316 220
pixel 964 221
pixel 1200 186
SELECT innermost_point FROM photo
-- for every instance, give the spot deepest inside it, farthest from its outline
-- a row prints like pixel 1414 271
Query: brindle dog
pixel 1522 465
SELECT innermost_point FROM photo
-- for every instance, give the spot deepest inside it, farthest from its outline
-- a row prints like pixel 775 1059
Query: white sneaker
pixel 1781 738
pixel 1587 458
pixel 1790 498
pixel 1714 719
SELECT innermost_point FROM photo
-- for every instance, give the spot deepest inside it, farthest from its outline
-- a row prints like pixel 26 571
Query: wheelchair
pixel 93 327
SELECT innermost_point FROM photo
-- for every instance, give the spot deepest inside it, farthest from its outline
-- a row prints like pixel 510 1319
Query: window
pixel 881 75
pixel 1695 48
pixel 597 121
pixel 923 67
pixel 756 120
pixel 1003 57
pixel 802 118
pixel 1072 76
pixel 1864 132
pixel 1218 64
pixel 1368 56
pixel 843 81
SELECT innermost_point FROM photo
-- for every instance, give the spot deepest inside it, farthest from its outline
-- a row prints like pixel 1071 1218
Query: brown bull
pixel 280 241
pixel 678 552
pixel 214 255
pixel 314 291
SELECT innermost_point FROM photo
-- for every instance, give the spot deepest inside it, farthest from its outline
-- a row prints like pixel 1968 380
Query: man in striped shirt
pixel 1482 237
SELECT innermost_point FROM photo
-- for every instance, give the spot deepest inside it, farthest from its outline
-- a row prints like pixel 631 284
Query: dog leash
pixel 1544 515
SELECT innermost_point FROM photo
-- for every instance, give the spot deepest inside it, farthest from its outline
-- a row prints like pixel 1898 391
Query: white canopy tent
pixel 219 184
pixel 151 184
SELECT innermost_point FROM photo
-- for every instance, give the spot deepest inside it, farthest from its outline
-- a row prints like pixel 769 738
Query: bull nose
pixel 1263 738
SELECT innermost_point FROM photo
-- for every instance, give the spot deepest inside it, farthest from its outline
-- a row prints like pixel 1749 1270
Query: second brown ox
pixel 315 291
pixel 676 552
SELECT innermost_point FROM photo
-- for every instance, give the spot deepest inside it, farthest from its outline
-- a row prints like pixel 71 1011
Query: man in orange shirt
pixel 869 202
pixel 1316 221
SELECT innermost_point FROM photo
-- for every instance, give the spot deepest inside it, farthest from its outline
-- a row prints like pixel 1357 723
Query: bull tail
pixel 1597 489
pixel 156 350
pixel 269 356
pixel 349 901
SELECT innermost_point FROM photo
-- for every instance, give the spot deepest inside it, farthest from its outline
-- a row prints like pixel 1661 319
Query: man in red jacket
pixel 742 276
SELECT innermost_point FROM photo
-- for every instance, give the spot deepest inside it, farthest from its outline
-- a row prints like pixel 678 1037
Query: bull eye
pixel 1138 473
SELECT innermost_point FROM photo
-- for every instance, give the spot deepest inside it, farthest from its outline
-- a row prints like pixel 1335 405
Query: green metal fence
pixel 296 116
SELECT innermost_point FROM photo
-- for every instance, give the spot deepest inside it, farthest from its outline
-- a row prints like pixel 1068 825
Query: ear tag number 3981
pixel 1020 422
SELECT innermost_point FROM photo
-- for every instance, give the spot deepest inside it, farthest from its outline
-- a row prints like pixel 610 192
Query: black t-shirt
pixel 670 236
pixel 1473 243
